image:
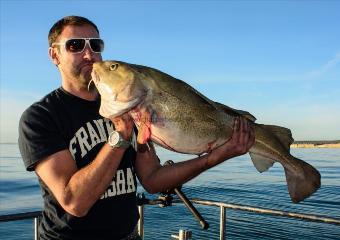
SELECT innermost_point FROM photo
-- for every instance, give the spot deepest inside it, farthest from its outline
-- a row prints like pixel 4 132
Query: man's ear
pixel 53 53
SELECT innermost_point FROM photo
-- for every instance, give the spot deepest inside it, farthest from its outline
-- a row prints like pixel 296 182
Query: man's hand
pixel 124 125
pixel 241 141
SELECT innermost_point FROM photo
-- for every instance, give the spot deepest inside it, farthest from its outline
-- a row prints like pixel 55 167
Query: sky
pixel 279 60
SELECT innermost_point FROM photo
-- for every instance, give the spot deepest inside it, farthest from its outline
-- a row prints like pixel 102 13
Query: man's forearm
pixel 171 176
pixel 87 185
pixel 157 178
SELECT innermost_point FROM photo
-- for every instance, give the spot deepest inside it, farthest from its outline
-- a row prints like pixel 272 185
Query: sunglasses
pixel 77 45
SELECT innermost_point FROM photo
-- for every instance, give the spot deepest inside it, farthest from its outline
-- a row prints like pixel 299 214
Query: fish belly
pixel 172 138
pixel 179 131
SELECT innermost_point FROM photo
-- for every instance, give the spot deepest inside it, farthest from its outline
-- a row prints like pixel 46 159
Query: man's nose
pixel 88 53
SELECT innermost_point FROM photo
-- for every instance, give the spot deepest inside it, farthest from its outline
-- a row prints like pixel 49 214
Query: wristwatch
pixel 116 140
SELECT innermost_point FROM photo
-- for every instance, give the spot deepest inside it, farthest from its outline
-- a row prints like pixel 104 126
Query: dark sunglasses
pixel 77 45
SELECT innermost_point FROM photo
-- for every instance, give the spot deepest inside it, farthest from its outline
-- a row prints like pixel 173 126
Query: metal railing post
pixel 36 227
pixel 141 221
pixel 222 223
pixel 183 235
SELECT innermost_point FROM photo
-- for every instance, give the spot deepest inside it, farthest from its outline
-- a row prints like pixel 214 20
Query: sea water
pixel 234 181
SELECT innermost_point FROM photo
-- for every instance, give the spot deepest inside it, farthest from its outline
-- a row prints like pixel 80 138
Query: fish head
pixel 118 79
pixel 119 85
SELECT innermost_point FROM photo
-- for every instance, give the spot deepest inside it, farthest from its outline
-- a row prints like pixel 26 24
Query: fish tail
pixel 302 181
pixel 272 144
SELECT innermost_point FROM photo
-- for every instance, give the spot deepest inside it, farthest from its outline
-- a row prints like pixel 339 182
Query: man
pixel 86 165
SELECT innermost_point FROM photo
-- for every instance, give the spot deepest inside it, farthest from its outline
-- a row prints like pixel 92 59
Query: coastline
pixel 316 144
pixel 295 144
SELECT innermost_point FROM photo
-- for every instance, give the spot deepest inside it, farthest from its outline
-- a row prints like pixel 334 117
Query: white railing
pixel 224 206
pixel 184 235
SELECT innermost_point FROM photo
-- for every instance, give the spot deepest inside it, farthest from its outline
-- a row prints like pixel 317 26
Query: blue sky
pixel 279 60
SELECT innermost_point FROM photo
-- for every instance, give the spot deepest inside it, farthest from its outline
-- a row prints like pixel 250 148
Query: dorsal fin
pixel 284 135
pixel 229 110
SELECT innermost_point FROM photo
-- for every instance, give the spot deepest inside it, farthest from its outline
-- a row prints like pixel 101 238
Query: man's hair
pixel 59 26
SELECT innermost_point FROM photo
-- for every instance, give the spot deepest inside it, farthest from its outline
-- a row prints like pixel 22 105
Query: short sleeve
pixel 39 135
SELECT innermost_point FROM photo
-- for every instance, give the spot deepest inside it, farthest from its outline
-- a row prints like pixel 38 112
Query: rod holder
pixel 188 203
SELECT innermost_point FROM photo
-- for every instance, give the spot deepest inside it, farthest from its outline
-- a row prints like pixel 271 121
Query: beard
pixel 83 75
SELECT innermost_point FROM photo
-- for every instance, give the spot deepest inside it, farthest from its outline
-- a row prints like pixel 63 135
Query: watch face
pixel 114 138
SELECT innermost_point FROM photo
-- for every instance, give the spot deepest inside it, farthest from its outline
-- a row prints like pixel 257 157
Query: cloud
pixel 283 75
pixel 324 68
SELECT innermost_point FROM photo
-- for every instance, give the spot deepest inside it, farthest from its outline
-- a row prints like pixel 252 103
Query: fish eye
pixel 113 66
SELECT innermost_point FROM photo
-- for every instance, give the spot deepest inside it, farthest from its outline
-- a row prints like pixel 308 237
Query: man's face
pixel 77 67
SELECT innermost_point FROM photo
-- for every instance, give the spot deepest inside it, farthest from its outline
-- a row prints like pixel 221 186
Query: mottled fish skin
pixel 179 118
pixel 180 115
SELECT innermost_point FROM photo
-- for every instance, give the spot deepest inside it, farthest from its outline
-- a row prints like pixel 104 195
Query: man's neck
pixel 83 92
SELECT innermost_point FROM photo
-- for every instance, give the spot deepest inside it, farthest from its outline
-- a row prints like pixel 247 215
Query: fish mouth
pixel 126 105
pixel 94 79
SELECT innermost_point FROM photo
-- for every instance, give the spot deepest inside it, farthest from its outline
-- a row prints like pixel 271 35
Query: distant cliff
pixel 316 144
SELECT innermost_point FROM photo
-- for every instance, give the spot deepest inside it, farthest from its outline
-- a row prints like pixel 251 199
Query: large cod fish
pixel 177 117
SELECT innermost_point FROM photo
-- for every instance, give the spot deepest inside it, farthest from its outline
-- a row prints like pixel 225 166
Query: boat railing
pixel 183 234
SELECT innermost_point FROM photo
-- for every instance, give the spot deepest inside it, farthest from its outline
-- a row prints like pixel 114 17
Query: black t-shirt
pixel 62 121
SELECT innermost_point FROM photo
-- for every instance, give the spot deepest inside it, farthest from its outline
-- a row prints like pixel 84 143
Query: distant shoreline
pixel 295 144
pixel 316 144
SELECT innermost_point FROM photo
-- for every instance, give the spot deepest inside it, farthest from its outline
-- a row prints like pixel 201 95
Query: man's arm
pixel 77 190
pixel 156 178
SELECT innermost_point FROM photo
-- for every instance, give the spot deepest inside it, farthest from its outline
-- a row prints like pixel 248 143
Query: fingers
pixel 243 135
pixel 246 131
pixel 122 119
pixel 124 125
pixel 236 124
pixel 251 140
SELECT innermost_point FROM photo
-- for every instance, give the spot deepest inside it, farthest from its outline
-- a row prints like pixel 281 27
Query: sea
pixel 234 181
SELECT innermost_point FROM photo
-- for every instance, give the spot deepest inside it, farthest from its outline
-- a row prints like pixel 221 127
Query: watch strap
pixel 122 143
